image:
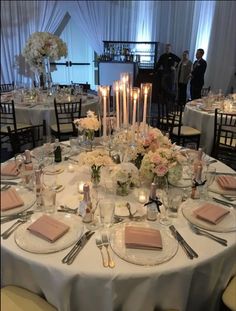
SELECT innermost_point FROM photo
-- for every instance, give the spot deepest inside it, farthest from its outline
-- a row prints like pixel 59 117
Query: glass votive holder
pixel 80 186
pixel 143 196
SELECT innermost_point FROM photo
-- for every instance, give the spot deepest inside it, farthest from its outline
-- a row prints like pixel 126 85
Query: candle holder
pixel 104 94
pixel 146 100
pixel 117 104
pixel 134 107
pixel 125 97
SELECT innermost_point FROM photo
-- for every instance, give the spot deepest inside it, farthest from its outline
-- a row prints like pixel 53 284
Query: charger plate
pixel 27 196
pixel 140 256
pixel 34 244
pixel 227 224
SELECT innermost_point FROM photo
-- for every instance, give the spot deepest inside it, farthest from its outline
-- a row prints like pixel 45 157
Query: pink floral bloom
pixel 161 170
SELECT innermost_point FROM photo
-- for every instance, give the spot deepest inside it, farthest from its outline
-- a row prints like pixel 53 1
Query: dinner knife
pixel 227 174
pixel 188 250
pixel 77 246
pixel 5 219
pixel 8 182
pixel 84 241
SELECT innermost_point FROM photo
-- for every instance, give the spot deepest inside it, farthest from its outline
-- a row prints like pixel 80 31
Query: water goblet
pixel 107 208
pixel 162 194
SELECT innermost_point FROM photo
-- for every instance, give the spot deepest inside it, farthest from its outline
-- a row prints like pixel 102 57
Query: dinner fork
pixel 106 243
pixel 5 235
pixel 209 235
pixel 100 245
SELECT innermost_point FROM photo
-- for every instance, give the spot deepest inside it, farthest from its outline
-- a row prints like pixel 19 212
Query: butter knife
pixel 188 250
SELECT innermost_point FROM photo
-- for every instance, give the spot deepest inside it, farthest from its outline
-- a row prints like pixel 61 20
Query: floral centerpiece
pixel 88 125
pixel 124 175
pixel 95 159
pixel 40 45
pixel 160 163
pixel 141 142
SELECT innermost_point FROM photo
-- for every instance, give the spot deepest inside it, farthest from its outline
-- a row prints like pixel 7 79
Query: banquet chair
pixel 27 138
pixel 180 133
pixel 224 145
pixel 229 297
pixel 66 113
pixel 8 118
pixel 6 87
pixel 14 298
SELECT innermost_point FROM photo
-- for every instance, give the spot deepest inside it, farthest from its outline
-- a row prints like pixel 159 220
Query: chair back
pixel 8 116
pixel 27 137
pixel 66 113
pixel 224 146
pixel 7 87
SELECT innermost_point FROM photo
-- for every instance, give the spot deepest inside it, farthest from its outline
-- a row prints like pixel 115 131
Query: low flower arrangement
pixel 96 160
pixel 123 176
pixel 40 45
pixel 161 162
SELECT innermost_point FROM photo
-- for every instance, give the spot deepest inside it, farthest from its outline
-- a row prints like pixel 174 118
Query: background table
pixel 181 283
pixel 45 110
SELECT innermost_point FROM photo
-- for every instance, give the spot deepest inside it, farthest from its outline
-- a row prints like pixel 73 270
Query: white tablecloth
pixel 203 121
pixel 181 283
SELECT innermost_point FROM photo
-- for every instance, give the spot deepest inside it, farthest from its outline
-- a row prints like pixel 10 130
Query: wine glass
pixel 210 177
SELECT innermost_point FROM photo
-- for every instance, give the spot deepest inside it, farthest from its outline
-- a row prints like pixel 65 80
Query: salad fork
pixel 209 235
pixel 5 235
pixel 106 243
pixel 100 245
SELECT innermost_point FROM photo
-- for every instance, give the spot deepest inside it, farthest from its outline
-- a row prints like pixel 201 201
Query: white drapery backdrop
pixel 185 24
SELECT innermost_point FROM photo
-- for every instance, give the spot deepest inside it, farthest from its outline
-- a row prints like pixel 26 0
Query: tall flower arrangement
pixel 41 45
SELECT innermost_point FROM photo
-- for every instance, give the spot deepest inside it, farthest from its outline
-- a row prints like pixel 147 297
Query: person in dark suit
pixel 197 75
pixel 166 66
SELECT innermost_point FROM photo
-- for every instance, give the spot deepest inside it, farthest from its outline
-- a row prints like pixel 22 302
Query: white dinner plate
pixel 140 256
pixel 28 198
pixel 227 224
pixel 34 244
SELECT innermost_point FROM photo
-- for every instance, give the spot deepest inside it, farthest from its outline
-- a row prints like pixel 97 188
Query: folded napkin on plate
pixel 48 228
pixel 211 213
pixel 227 182
pixel 9 169
pixel 142 238
pixel 10 199
pixel 215 187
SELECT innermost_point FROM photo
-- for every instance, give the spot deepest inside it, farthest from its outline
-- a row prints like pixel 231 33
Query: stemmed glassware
pixel 210 175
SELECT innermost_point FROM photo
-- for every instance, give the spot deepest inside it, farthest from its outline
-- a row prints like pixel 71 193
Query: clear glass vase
pixel 122 188
pixel 43 75
pixel 89 138
pixel 95 175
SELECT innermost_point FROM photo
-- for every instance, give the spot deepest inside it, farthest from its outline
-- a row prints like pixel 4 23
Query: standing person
pixel 197 75
pixel 182 77
pixel 166 64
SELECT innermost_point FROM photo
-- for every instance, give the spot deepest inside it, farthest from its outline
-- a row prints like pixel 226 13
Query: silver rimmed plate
pixel 28 198
pixel 34 244
pixel 140 256
pixel 227 224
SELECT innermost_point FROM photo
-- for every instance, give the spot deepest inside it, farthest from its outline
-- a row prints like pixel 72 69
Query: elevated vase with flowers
pixel 88 126
pixel 95 159
pixel 40 49
pixel 125 175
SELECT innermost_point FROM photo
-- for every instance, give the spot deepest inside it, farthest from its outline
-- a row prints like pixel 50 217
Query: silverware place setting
pixel 76 249
pixel 223 202
pixel 187 248
pixel 100 247
pixel 8 218
pixel 207 234
pixel 5 235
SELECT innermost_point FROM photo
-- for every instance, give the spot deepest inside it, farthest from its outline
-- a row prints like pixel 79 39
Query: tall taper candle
pixel 145 105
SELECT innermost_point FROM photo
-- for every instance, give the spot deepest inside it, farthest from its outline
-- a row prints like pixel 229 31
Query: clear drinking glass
pixel 175 196
pixel 107 208
pixel 162 194
pixel 49 200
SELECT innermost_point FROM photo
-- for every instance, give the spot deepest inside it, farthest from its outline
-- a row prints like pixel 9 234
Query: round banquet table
pixel 31 112
pixel 203 121
pixel 180 283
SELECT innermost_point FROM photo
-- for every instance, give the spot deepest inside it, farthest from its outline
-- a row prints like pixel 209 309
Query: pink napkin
pixel 142 238
pixel 10 199
pixel 227 182
pixel 48 228
pixel 211 213
pixel 9 169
